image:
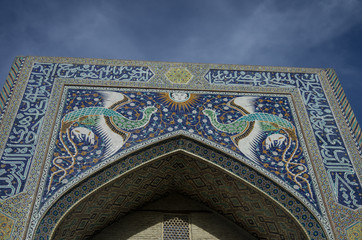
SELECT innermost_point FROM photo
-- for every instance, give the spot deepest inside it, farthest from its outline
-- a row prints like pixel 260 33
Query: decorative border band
pixel 10 83
pixel 345 106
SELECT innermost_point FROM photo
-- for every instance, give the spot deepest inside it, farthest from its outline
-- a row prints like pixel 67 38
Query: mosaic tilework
pixel 341 173
pixel 84 144
pixel 17 157
pixel 6 226
pixel 355 231
pixel 179 75
pixel 39 74
pixel 114 73
pixel 191 177
pixel 345 106
pixel 7 89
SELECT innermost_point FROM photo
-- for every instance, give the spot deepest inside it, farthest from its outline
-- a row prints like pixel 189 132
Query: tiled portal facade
pixel 73 127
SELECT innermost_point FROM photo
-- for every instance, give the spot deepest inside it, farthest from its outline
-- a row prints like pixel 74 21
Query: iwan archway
pixel 257 205
pixel 268 148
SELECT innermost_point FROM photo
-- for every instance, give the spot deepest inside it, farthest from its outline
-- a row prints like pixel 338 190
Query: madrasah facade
pixel 114 149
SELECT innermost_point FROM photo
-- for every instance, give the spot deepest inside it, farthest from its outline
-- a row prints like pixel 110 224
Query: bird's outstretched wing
pixel 244 104
pixel 113 100
pixel 113 137
pixel 248 140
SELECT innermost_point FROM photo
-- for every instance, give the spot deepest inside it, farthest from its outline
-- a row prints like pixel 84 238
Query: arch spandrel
pixel 97 124
pixel 189 165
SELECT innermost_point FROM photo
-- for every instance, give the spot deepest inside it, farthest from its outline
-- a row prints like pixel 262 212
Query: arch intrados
pixel 152 160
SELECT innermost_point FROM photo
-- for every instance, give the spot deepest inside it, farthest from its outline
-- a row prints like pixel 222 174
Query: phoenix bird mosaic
pixel 248 131
pixel 112 126
pixel 96 125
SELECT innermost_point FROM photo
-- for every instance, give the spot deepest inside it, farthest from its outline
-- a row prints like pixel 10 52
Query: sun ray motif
pixel 180 101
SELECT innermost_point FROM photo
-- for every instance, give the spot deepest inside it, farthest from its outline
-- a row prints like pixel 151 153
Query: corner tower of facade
pixel 176 151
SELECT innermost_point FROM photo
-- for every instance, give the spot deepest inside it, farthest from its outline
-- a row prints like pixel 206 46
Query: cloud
pixel 268 32
pixel 205 31
pixel 271 32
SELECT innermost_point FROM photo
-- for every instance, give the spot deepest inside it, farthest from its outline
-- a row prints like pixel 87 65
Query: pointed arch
pixel 194 169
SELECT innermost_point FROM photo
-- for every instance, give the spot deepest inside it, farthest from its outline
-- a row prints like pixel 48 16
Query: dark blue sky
pixel 321 34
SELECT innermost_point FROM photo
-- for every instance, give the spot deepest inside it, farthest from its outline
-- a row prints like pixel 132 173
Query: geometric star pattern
pixel 179 75
pixel 191 177
pixel 209 177
pixel 6 225
pixel 355 231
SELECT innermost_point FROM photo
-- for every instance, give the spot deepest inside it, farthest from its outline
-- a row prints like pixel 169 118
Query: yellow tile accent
pixel 178 75
pixel 6 225
pixel 354 232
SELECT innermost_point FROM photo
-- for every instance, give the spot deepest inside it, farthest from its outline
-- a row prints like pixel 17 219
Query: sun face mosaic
pixel 98 124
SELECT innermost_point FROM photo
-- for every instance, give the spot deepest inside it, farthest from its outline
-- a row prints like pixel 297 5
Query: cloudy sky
pixel 322 34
